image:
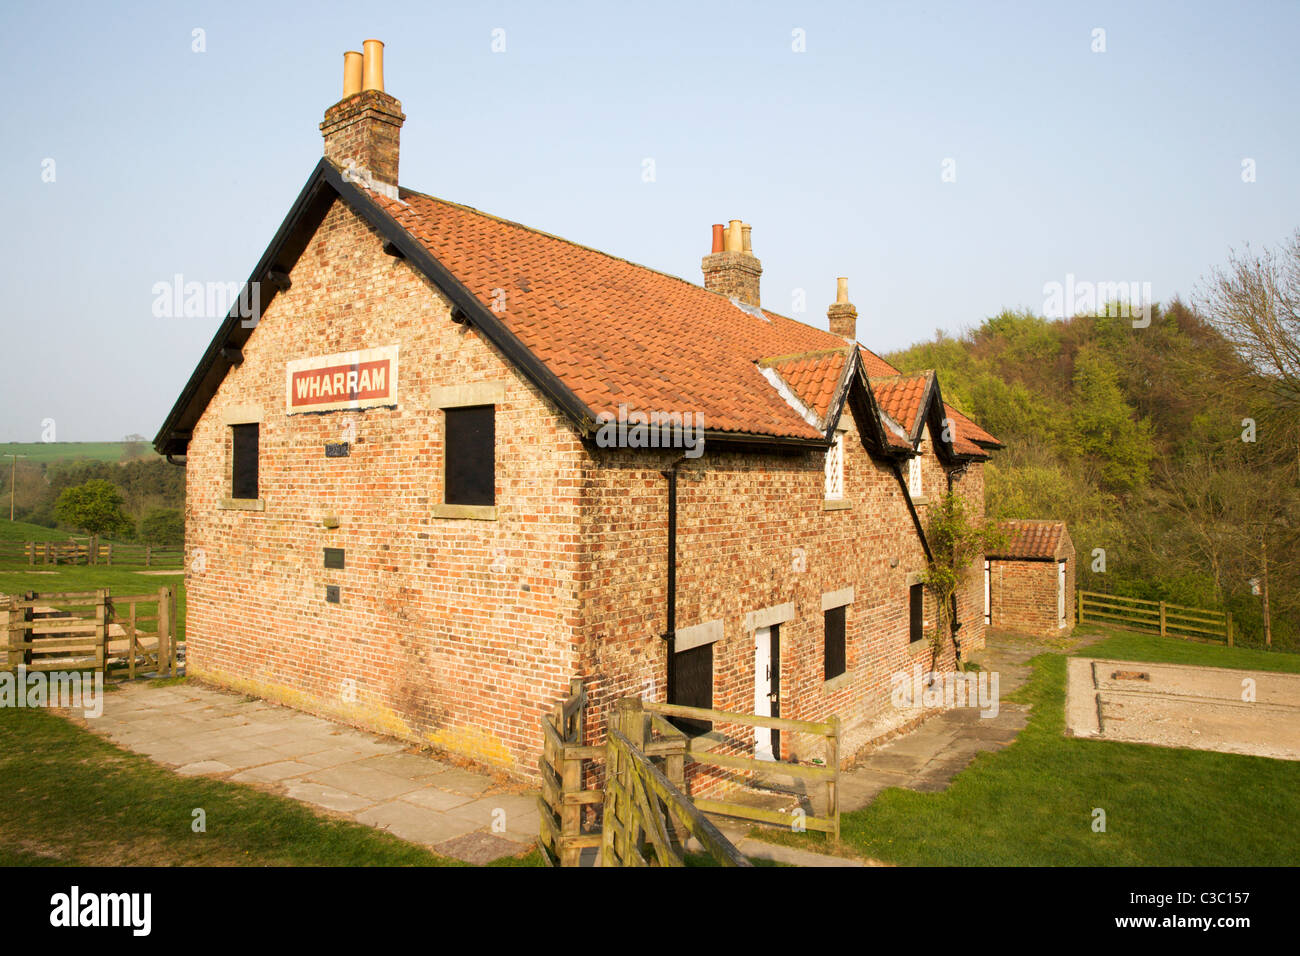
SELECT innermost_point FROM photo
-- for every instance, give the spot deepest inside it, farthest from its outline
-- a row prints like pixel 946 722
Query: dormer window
pixel 914 478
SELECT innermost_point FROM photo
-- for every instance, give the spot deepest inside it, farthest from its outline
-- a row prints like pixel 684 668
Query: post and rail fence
pixel 646 809
pixel 1154 617
pixel 125 635
pixel 91 551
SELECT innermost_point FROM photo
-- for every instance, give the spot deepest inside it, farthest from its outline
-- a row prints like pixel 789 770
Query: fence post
pixel 27 615
pixel 1078 600
pixel 148 553
pixel 1162 620
pixel 110 554
pixel 101 630
pixel 165 641
pixel 832 785
pixel 1230 629
pixel 31 552
pixel 47 552
pixel 7 615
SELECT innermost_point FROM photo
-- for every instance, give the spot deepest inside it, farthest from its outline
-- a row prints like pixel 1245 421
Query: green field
pixel 22 531
pixel 36 452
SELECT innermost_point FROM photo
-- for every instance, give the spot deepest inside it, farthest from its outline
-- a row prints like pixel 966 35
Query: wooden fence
pixel 826 774
pixel 1154 617
pixel 124 635
pixel 564 800
pixel 91 551
pixel 646 814
pixel 646 809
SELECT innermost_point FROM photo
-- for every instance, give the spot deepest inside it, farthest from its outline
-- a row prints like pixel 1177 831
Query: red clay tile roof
pixel 968 429
pixel 614 332
pixel 900 397
pixel 1027 540
pixel 876 366
pixel 813 377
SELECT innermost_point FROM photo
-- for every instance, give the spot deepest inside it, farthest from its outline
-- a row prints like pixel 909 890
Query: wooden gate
pixel 646 814
pixel 129 635
pixel 564 800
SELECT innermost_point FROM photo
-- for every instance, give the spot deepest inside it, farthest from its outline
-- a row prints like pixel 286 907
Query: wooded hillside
pixel 1176 464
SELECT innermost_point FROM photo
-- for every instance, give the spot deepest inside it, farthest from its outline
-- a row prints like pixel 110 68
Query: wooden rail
pixel 1154 617
pixel 646 814
pixel 90 552
pixel 827 774
pixel 90 630
pixel 563 801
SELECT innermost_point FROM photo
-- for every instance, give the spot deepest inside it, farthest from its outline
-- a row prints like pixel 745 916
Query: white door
pixel 1060 593
pixel 763 691
pixel 988 594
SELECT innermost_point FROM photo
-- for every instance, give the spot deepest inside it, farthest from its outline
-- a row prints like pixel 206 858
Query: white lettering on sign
pixel 362 379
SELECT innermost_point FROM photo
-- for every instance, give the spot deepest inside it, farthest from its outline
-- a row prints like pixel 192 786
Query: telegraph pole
pixel 13 468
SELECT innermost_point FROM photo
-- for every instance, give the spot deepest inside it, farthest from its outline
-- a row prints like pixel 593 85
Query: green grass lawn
pixel 1032 803
pixel 72 798
pixel 1126 646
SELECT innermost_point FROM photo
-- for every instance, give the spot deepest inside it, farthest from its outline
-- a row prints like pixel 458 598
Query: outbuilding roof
pixel 1030 540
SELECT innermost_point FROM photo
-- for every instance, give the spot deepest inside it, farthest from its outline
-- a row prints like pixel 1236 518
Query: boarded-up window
pixel 243 461
pixel 834 655
pixel 693 685
pixel 916 611
pixel 471 456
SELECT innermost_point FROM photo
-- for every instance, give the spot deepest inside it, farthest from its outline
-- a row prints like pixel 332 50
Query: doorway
pixel 767 685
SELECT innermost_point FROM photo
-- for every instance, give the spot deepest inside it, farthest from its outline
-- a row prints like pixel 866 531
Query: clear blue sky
pixel 1123 165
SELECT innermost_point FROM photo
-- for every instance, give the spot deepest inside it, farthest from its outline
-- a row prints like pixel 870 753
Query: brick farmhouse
pixel 454 462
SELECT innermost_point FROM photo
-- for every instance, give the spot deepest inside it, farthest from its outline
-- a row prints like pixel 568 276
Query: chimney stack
pixel 731 269
pixel 363 130
pixel 843 316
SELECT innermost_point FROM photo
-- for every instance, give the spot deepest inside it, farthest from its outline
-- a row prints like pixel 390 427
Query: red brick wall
pixel 740 520
pixel 459 633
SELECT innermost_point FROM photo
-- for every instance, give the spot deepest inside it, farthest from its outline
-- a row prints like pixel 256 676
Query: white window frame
pixel 835 469
pixel 914 483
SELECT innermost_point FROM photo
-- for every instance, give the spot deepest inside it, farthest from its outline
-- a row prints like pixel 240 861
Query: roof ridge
pixel 601 252
pixel 815 353
pixel 901 376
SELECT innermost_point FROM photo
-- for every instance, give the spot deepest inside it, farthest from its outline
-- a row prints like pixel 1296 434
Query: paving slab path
pixel 374 780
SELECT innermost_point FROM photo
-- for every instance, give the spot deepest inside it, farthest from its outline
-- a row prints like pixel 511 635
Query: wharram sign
pixel 361 379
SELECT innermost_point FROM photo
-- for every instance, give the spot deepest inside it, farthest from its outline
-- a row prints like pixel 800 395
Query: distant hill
pixel 37 451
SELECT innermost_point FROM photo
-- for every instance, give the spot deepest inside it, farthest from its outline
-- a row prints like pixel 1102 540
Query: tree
pixel 955 543
pixel 1255 303
pixel 1104 428
pixel 95 507
pixel 163 527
